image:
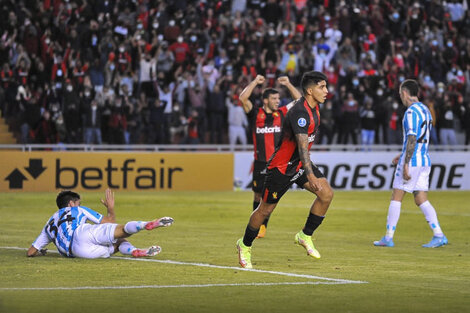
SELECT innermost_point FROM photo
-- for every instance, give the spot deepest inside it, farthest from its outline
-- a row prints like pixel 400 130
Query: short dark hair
pixel 64 197
pixel 269 91
pixel 411 86
pixel 312 78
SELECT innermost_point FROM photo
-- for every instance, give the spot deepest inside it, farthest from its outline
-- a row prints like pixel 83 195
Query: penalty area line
pixel 312 277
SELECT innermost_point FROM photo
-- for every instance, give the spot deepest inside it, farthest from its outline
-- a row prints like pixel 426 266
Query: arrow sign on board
pixel 35 167
pixel 16 179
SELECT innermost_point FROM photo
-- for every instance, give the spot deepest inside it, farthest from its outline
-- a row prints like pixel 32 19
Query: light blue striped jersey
pixel 60 228
pixel 418 122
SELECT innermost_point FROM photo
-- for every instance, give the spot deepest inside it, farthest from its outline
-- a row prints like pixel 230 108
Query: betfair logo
pixel 274 195
pixel 268 130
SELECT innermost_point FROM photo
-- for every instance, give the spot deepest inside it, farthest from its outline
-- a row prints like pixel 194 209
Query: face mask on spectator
pixel 193 38
pixel 351 103
pixel 59 72
pixel 401 79
pixel 171 23
pixel 459 73
pixel 47 41
pixel 235 40
pixel 441 90
pixel 87 93
pixel 180 39
pixel 160 37
pixel 121 49
pixel 69 88
pixel 396 16
pixel 327 18
pixel 380 92
pixel 355 82
pixel 395 105
pixel 285 32
pixel 449 44
pixel 434 43
pixel 427 78
pixel 112 67
pixel 271 32
pixel 155 25
pixel 140 26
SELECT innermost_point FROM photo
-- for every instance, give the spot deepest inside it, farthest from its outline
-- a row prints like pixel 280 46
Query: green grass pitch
pixel 406 278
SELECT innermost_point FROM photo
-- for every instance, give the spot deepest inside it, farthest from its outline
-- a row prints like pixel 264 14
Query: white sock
pixel 392 218
pixel 126 248
pixel 134 227
pixel 431 217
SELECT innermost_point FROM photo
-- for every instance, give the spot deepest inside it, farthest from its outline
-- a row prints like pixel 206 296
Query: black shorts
pixel 276 183
pixel 259 175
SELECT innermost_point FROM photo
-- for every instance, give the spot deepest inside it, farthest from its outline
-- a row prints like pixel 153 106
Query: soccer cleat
pixel 306 242
pixel 153 250
pixel 244 254
pixel 159 222
pixel 436 242
pixel 262 231
pixel 384 242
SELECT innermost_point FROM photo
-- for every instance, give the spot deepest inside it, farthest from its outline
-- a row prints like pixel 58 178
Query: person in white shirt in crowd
pixel 237 121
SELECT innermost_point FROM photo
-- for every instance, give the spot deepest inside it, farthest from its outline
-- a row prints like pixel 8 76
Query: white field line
pixel 326 280
pixel 173 286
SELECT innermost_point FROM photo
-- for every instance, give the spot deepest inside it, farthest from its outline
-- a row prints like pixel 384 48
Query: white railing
pixel 205 148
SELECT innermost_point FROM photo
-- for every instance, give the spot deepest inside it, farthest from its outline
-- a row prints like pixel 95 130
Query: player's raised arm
pixel 109 204
pixel 246 93
pixel 294 92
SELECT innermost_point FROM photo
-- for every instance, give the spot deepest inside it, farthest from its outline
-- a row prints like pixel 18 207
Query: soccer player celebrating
pixel 291 163
pixel 266 123
pixel 413 167
pixel 73 237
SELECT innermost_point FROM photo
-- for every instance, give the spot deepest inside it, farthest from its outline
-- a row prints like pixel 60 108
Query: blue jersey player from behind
pixel 68 229
pixel 413 167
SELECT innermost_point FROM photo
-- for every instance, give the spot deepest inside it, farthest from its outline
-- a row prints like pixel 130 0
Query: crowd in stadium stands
pixel 163 71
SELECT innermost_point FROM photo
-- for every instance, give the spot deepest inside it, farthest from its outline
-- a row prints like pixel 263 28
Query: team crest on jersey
pixel 275 114
pixel 301 122
pixel 274 195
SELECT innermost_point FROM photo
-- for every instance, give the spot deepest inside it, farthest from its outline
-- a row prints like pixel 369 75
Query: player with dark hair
pixel 74 237
pixel 290 164
pixel 266 122
pixel 413 167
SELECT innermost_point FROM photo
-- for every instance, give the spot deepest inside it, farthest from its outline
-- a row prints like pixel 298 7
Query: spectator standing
pixel 237 122
pixel 327 123
pixel 447 124
pixel 92 123
pixel 368 124
pixel 216 111
pixel 394 126
pixel 165 96
pixel 350 119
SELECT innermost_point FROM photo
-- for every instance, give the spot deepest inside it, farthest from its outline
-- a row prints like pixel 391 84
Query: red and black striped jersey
pixel 266 131
pixel 301 119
